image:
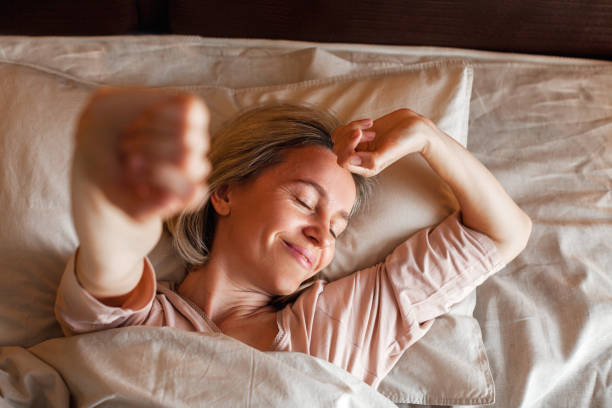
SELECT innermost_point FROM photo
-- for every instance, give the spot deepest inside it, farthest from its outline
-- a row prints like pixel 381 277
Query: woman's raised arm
pixel 368 147
pixel 139 158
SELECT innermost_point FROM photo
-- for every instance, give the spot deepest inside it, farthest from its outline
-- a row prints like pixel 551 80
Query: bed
pixel 536 333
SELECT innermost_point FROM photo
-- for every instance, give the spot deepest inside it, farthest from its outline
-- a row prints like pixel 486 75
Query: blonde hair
pixel 253 141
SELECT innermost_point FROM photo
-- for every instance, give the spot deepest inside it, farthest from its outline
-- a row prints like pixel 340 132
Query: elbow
pixel 526 226
pixel 517 240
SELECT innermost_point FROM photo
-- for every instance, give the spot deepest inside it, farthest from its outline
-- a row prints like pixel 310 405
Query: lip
pixel 302 254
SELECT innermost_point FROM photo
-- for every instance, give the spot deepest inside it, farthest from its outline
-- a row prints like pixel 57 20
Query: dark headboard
pixel 580 28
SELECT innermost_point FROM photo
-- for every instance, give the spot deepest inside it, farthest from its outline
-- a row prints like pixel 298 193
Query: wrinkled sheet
pixel 546 133
pixel 163 367
pixel 542 125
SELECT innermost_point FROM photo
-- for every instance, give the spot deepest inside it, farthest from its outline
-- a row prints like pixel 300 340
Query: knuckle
pixel 194 111
pixel 195 168
pixel 195 141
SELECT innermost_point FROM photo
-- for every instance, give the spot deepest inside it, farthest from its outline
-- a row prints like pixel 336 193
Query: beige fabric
pixel 541 124
pixel 439 90
pixel 26 381
pixel 161 367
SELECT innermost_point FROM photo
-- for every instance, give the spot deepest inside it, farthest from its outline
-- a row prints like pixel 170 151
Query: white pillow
pixel 37 235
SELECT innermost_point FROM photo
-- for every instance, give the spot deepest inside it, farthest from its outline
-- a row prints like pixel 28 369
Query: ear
pixel 220 199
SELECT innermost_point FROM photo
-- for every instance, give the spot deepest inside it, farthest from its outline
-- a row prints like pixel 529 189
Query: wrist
pixel 106 280
pixel 433 140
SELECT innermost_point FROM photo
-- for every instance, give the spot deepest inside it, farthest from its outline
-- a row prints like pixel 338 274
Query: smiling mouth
pixel 303 260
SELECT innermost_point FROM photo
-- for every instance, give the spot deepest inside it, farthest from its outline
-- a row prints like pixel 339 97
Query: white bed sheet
pixel 542 125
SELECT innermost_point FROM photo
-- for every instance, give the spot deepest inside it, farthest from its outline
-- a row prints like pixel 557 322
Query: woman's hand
pixel 144 149
pixel 367 147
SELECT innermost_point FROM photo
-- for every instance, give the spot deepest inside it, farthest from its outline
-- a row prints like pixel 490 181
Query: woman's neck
pixel 223 299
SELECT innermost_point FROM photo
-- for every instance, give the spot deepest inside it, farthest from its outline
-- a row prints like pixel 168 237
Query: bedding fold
pixel 143 366
pixel 27 381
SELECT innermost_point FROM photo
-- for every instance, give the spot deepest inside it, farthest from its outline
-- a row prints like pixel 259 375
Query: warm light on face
pixel 283 225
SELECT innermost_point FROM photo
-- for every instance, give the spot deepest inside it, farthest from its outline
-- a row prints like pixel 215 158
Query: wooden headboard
pixel 580 28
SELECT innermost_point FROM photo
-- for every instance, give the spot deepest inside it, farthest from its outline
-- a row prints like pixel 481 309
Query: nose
pixel 319 235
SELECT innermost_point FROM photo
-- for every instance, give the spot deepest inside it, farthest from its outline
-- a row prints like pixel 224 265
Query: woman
pixel 282 189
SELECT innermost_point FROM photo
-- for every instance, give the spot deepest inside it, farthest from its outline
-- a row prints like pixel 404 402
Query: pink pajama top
pixel 362 322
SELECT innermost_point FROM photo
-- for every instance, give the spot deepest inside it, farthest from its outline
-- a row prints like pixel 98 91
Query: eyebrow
pixel 322 192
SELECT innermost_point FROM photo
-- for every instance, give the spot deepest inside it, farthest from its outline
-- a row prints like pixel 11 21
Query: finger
pixel 367 135
pixel 366 128
pixel 158 202
pixel 345 150
pixel 192 202
pixel 340 133
pixel 193 161
pixel 366 160
pixel 194 138
pixel 155 148
pixel 196 168
pixel 184 110
pixel 169 178
pixel 338 137
pixel 182 119
pixel 361 171
pixel 151 198
pixel 362 123
pixel 191 116
pixel 356 124
pixel 363 163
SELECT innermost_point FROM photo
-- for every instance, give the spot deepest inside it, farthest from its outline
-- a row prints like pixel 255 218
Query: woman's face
pixel 282 226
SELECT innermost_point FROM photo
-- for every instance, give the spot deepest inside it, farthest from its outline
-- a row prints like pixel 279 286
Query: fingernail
pixel 356 160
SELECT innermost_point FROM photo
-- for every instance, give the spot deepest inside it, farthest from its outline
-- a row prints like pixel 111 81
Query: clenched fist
pixel 145 150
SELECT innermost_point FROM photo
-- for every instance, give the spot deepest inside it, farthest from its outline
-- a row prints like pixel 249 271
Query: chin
pixel 284 288
pixel 284 291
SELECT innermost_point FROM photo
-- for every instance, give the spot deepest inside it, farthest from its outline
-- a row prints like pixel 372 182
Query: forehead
pixel 317 165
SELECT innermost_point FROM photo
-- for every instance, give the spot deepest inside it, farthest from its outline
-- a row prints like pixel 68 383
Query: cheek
pixel 264 224
pixel 284 215
pixel 262 213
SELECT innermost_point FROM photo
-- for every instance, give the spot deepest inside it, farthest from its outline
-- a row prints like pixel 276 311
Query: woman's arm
pixel 485 205
pixel 112 246
pixel 139 157
pixel 367 147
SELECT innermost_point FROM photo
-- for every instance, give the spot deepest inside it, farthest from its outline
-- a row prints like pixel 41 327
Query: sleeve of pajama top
pixel 365 321
pixel 149 304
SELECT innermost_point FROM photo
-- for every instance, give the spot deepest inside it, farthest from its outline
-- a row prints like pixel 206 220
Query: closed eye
pixel 303 204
